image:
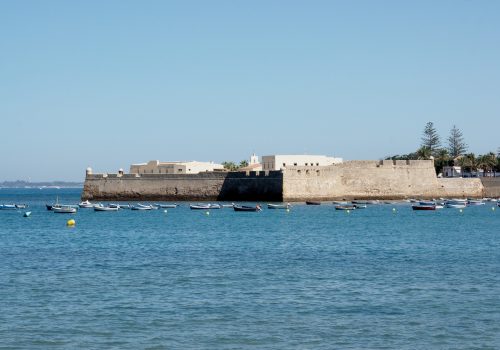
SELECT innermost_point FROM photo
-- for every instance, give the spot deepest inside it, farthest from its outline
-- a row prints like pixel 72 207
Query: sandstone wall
pixel 491 186
pixel 373 180
pixel 250 186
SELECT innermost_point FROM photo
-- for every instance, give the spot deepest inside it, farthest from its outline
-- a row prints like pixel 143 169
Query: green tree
pixel 468 162
pixel 487 162
pixel 424 152
pixel 442 159
pixel 456 143
pixel 231 166
pixel 430 138
pixel 243 164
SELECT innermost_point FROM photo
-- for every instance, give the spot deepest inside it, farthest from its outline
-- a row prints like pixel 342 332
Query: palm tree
pixel 487 162
pixel 468 162
pixel 424 152
pixel 442 160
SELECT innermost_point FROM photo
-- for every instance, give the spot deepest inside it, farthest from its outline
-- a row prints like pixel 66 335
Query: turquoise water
pixel 313 278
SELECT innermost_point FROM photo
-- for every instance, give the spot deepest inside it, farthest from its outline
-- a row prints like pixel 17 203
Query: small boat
pixel 246 208
pixel 85 204
pixel 427 203
pixel 204 206
pixel 345 207
pixel 312 203
pixel 199 206
pixel 360 206
pixel 456 205
pixel 21 206
pixel 8 207
pixel 119 206
pixel 141 207
pixel 474 202
pixel 102 208
pixel 341 203
pixel 278 206
pixel 64 210
pixel 228 205
pixel 423 207
pixel 167 206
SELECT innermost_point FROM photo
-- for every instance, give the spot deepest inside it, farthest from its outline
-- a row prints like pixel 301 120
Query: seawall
pixel 350 180
pixel 491 186
pixel 386 179
pixel 252 186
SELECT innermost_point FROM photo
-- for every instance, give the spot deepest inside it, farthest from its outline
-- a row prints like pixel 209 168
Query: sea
pixel 384 277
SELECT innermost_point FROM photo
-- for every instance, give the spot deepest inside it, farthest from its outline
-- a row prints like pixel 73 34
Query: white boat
pixel 8 207
pixel 64 210
pixel 278 206
pixel 474 202
pixel 85 204
pixel 102 208
pixel 455 205
pixel 140 206
pixel 166 206
pixel 228 205
pixel 204 206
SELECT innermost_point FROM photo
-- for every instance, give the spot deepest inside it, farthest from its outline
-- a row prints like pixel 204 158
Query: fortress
pixel 385 179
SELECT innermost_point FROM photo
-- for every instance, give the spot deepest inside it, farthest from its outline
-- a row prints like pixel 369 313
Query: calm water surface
pixel 312 278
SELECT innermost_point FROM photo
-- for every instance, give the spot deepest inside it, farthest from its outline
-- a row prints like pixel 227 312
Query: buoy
pixel 71 222
pixel 287 210
pixel 394 209
pixel 493 208
pixel 165 211
pixel 348 211
pixel 27 214
pixel 461 210
pixel 207 213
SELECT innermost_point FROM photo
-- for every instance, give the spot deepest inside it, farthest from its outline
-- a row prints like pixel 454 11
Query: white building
pixel 452 171
pixel 253 165
pixel 189 167
pixel 277 162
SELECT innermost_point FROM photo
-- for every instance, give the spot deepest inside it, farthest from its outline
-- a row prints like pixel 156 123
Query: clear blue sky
pixel 109 83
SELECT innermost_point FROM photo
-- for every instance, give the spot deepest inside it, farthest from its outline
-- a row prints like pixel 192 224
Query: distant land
pixel 44 184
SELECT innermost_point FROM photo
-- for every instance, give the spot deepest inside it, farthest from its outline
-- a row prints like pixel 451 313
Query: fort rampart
pixel 350 180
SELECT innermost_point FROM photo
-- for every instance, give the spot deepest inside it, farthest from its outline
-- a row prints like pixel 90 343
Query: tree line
pixel 454 152
pixel 232 166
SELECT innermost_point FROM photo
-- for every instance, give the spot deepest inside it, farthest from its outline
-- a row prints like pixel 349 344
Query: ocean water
pixel 311 278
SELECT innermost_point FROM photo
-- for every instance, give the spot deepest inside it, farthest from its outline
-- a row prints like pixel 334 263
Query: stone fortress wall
pixel 385 179
pixel 172 187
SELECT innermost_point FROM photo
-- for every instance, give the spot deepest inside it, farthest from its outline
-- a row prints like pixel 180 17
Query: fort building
pixel 279 161
pixel 188 167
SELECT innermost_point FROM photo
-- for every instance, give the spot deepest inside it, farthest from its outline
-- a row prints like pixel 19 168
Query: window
pixel 308 164
pixel 294 164
pixel 317 164
pixel 284 164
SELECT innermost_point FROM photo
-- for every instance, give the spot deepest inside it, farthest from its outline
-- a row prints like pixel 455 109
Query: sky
pixel 109 83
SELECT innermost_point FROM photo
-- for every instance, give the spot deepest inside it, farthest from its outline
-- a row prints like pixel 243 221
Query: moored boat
pixel 456 205
pixel 246 208
pixel 85 204
pixel 201 206
pixel 64 210
pixel 312 203
pixel 278 206
pixel 474 202
pixel 345 207
pixel 423 207
pixel 140 206
pixel 166 206
pixel 360 206
pixel 8 207
pixel 108 208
